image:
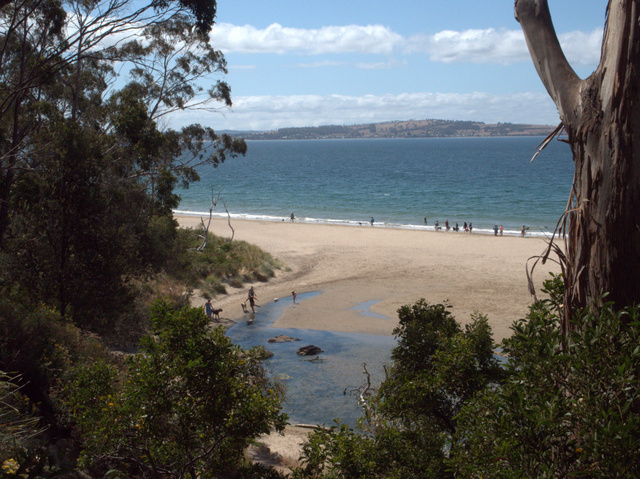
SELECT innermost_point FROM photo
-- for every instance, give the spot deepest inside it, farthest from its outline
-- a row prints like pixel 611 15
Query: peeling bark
pixel 601 116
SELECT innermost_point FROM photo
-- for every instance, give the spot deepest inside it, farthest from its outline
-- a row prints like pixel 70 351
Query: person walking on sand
pixel 470 227
pixel 252 299
pixel 208 309
pixel 293 295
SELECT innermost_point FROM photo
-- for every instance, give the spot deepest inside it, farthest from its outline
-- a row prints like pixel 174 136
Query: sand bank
pixel 350 266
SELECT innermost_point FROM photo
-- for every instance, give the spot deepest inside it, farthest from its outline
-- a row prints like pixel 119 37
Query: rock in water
pixel 309 350
pixel 282 339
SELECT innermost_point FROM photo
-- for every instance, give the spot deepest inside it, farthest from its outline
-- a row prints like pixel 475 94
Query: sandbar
pixel 384 268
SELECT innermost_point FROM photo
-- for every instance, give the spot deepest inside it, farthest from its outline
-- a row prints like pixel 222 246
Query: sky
pixel 296 63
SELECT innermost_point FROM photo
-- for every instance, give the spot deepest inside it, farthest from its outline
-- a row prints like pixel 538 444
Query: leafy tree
pixel 437 367
pixel 186 406
pixel 50 73
pixel 601 116
pixel 89 174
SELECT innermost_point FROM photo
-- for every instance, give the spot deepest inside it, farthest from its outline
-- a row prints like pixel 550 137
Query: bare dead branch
pixel 229 221
pixel 557 131
pixel 214 203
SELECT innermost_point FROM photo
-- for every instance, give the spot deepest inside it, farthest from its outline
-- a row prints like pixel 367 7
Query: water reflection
pixel 315 389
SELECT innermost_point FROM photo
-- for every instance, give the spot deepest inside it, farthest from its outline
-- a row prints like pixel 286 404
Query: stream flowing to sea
pixel 317 390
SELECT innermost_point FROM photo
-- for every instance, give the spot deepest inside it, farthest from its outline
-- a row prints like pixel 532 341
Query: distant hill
pixel 402 129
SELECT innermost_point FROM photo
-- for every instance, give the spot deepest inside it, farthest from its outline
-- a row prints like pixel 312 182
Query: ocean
pixel 398 182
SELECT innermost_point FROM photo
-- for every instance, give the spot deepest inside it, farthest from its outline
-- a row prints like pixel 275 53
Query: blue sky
pixel 304 63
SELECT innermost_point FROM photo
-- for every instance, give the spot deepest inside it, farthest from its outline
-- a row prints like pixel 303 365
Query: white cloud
pixel 270 112
pixel 477 46
pixel 502 46
pixel 582 48
pixel 448 46
pixel 322 64
pixel 380 65
pixel 275 38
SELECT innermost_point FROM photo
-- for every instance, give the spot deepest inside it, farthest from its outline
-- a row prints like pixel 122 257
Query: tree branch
pixel 560 80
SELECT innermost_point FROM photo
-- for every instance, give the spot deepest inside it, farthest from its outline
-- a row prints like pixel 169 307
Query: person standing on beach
pixel 470 227
pixel 495 230
pixel 522 231
pixel 208 309
pixel 293 295
pixel 425 221
pixel 293 217
pixel 371 221
pixel 501 230
pixel 252 299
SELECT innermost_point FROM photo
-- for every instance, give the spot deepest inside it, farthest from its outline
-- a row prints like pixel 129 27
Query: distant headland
pixel 400 129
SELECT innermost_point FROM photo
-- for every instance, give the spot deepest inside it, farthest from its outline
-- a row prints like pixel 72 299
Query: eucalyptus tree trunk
pixel 601 116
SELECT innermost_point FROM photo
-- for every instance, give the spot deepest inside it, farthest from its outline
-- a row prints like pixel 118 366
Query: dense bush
pixel 186 406
pixel 571 407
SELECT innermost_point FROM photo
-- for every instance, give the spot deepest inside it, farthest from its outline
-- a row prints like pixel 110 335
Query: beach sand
pixel 350 266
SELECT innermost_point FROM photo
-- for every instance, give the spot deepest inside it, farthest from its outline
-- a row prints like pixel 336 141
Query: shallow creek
pixel 315 389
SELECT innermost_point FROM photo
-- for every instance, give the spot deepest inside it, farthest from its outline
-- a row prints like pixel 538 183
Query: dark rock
pixel 282 339
pixel 309 350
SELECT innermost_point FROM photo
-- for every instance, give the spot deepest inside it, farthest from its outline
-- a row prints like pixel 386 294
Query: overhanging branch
pixel 560 80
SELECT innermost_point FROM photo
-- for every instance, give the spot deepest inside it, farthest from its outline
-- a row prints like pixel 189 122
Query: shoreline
pixel 531 233
pixel 383 267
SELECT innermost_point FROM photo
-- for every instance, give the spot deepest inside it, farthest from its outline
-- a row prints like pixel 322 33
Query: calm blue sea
pixel 398 182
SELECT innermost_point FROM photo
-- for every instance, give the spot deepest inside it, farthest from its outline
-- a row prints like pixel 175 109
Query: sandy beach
pixel 385 268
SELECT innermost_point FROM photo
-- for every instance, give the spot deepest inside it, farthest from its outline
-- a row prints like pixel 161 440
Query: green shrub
pixel 571 411
pixel 188 404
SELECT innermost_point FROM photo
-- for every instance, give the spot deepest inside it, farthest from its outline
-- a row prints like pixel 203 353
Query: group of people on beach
pixel 214 314
pixel 466 228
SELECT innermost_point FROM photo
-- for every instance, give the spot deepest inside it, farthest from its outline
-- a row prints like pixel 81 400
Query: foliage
pixel 566 411
pixel 221 263
pixel 437 368
pixel 87 177
pixel 18 427
pixel 187 405
pixel 23 453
